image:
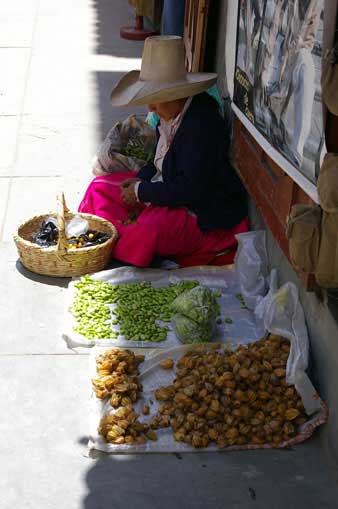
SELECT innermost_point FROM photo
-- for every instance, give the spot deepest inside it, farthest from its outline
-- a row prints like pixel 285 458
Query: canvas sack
pixel 327 267
pixel 327 184
pixel 329 79
pixel 303 232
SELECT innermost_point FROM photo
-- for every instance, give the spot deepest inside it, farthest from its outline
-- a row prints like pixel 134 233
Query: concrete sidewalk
pixel 58 61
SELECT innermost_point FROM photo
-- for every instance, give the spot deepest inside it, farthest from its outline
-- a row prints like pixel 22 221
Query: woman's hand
pixel 127 182
pixel 128 193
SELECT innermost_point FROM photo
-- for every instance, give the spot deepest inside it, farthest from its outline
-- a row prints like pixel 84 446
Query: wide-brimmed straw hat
pixel 163 76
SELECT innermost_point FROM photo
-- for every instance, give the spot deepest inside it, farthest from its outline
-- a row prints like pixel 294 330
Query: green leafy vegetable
pixel 199 304
pixel 189 331
pixel 195 313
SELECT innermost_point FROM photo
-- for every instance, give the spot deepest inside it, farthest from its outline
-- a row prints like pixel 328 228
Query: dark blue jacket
pixel 196 171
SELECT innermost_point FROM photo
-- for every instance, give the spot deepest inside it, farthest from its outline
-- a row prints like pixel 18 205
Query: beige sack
pixel 326 272
pixel 330 82
pixel 327 267
pixel 303 232
pixel 328 183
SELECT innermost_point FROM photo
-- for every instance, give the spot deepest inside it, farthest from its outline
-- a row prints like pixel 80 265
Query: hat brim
pixel 131 91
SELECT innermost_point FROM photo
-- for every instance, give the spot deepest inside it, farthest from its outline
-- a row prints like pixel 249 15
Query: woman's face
pixel 167 110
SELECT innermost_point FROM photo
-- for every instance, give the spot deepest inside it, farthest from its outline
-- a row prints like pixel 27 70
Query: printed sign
pixel 277 76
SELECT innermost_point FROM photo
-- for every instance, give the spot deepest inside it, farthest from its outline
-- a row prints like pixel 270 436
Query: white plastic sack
pixel 76 226
pixel 282 313
pixel 251 266
pixel 109 159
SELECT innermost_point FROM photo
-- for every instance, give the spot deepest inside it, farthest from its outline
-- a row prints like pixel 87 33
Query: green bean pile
pixel 138 307
pixel 90 308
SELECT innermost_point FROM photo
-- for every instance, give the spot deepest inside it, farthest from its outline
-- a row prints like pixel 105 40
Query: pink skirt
pixel 170 233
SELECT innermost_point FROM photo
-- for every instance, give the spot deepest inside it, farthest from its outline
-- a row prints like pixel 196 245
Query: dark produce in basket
pixel 91 238
pixel 48 236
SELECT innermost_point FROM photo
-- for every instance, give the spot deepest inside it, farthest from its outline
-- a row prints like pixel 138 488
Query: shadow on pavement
pixel 45 280
pixel 107 115
pixel 267 479
pixel 110 17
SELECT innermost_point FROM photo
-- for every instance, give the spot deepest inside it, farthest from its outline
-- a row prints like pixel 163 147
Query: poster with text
pixel 277 76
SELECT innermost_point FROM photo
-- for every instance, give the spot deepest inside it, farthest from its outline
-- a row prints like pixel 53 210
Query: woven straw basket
pixel 59 260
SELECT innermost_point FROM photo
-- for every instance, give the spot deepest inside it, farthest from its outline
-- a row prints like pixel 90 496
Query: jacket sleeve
pixel 194 154
pixel 147 172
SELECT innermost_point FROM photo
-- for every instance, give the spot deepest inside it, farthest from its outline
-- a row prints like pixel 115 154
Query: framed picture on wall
pixel 277 77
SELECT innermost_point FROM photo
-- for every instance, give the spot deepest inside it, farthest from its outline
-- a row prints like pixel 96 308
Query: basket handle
pixel 62 211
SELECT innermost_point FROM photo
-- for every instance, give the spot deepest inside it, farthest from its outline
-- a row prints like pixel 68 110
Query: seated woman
pixel 189 201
